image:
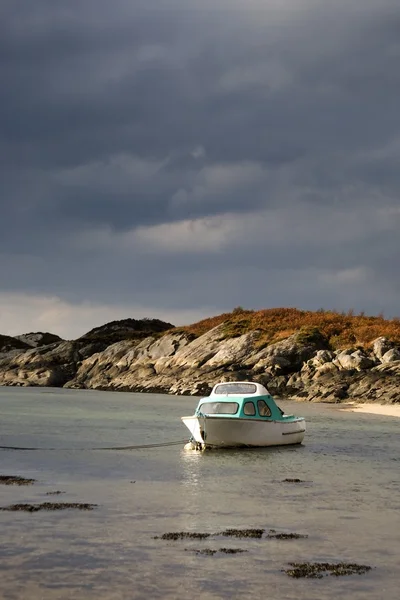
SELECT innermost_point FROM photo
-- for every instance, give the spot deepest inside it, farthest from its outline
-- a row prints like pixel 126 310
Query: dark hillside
pixel 39 338
pixel 126 329
pixel 8 343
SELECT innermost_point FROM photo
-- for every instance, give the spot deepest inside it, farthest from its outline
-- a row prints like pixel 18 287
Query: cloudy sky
pixel 179 158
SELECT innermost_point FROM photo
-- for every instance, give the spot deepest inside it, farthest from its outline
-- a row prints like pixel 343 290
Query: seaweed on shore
pixel 210 552
pixel 244 533
pixel 206 551
pixel 237 533
pixel 180 535
pixel 56 493
pixel 15 480
pixel 286 536
pixel 293 480
pixel 48 506
pixel 232 550
pixel 318 570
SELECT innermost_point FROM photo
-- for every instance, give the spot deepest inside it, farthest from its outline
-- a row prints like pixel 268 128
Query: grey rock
pixel 289 354
pixel 380 346
pixel 321 357
pixel 49 365
pixel 391 356
pixel 357 360
pixel 324 369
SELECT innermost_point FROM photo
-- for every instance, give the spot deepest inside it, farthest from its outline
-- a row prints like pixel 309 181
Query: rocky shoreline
pixel 301 367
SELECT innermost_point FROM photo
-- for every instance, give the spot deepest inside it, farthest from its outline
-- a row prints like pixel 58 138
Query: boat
pixel 241 414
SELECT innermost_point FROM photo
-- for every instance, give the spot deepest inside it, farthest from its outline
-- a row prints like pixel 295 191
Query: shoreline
pixel 384 410
pixel 373 408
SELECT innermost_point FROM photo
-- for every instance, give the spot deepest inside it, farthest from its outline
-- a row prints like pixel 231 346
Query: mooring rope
pixel 137 447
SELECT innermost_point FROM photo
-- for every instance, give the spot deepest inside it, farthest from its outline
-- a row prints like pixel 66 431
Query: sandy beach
pixel 387 410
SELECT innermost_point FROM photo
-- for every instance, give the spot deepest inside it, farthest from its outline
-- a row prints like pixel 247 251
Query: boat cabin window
pixel 235 388
pixel 219 408
pixel 263 409
pixel 249 408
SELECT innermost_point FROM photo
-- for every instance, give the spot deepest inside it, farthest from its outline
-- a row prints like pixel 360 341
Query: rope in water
pixel 138 447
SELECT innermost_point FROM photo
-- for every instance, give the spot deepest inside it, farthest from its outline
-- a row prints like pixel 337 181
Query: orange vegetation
pixel 341 329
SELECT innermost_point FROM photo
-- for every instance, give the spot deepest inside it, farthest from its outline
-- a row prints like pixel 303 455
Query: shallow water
pixel 348 503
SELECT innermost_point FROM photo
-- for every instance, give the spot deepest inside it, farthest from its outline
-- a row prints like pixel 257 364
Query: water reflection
pixel 220 463
pixel 216 482
pixel 191 472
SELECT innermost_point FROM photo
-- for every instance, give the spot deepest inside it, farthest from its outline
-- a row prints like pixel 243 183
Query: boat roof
pixel 238 389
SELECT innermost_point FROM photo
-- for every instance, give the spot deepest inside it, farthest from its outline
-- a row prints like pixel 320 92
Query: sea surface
pixel 348 502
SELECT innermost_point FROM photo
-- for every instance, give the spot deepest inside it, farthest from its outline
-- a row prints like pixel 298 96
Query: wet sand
pixel 387 410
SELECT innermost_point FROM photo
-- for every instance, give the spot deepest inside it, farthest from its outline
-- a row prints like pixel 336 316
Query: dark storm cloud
pixel 119 117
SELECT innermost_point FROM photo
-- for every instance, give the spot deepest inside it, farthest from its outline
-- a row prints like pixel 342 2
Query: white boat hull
pixel 212 431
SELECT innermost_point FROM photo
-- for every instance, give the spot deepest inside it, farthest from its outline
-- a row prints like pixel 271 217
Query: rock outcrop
pixel 151 358
pixel 51 365
pixel 28 361
pixel 303 368
pixel 349 375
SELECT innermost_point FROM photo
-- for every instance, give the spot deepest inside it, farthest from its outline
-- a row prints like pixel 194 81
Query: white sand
pixel 388 410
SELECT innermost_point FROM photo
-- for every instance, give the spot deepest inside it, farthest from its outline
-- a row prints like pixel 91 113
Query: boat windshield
pixel 235 388
pixel 219 408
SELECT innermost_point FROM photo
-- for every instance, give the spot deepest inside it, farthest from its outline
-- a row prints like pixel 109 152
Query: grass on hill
pixel 340 329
